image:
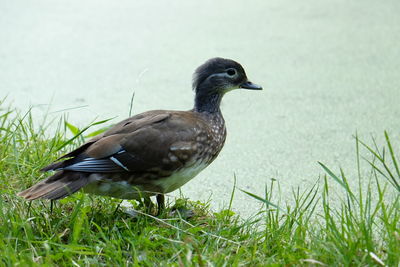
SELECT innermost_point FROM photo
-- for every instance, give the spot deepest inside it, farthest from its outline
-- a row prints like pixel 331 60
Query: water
pixel 328 68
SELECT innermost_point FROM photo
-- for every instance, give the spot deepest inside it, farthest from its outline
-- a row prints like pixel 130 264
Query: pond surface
pixel 329 69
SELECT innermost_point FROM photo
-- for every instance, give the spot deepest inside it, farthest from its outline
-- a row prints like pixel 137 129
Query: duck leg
pixel 160 203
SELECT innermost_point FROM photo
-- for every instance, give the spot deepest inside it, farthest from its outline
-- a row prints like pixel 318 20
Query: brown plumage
pixel 154 152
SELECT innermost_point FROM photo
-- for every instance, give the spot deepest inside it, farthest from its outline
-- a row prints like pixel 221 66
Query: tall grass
pixel 330 223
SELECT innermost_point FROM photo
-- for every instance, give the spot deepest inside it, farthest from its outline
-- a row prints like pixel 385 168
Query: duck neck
pixel 208 103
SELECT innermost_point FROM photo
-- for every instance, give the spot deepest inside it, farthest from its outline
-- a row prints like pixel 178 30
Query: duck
pixel 152 153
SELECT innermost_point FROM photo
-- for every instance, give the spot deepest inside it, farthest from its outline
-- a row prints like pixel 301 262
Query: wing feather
pixel 137 144
pixel 94 165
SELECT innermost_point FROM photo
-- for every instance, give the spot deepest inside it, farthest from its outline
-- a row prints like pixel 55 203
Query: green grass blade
pixel 74 130
pixel 394 160
pixel 342 181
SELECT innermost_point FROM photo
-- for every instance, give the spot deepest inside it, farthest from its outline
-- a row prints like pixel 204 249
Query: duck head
pixel 216 77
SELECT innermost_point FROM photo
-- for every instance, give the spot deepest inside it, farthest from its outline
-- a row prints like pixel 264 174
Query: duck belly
pixel 180 177
pixel 102 186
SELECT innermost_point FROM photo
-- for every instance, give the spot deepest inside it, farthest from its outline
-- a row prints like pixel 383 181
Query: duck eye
pixel 231 72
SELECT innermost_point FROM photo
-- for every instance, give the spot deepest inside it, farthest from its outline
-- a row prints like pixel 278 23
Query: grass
pixel 330 223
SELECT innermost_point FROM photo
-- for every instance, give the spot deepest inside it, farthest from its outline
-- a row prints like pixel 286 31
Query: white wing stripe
pixel 119 163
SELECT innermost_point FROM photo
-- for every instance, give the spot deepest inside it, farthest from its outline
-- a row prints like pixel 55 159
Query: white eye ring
pixel 231 72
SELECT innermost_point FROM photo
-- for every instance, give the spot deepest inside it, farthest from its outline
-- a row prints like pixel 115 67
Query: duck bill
pixel 251 86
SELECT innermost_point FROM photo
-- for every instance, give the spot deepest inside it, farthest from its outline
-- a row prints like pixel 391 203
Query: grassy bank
pixel 88 230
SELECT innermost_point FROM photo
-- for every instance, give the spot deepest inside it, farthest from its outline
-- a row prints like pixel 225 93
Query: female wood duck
pixel 154 152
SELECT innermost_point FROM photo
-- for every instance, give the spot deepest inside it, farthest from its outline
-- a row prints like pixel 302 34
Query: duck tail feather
pixel 59 185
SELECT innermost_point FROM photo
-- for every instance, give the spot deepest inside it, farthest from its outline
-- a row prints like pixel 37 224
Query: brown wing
pixel 107 143
pixel 140 143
